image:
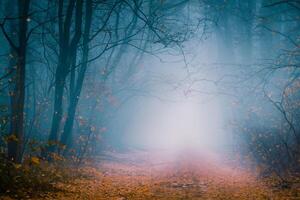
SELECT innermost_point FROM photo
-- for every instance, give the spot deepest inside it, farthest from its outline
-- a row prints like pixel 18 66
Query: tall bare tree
pixel 19 47
pixel 68 43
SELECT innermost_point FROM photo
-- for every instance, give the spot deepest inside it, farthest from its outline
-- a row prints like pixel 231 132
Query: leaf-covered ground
pixel 148 176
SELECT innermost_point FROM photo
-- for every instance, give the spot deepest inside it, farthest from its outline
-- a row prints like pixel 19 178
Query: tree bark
pixel 15 143
pixel 66 137
pixel 68 50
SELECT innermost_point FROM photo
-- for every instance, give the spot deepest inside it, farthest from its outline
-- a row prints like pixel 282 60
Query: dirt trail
pixel 145 176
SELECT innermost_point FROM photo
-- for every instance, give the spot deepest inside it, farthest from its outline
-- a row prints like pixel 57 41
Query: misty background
pixel 121 75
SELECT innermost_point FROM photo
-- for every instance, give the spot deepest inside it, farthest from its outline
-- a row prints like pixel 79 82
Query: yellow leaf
pixel 12 138
pixel 17 166
pixel 35 160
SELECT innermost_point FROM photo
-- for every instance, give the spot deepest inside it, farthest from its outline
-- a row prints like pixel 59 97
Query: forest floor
pixel 142 176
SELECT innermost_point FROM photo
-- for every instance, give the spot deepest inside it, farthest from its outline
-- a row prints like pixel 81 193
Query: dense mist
pixel 80 79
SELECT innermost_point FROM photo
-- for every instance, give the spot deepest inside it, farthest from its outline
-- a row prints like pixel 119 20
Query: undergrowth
pixel 33 178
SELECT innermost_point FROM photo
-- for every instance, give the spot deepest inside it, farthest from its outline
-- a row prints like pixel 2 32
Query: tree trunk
pixel 224 36
pixel 15 143
pixel 68 49
pixel 68 128
pixel 66 137
pixel 57 112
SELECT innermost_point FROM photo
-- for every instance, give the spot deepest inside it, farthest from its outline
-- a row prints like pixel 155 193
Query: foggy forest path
pixel 143 175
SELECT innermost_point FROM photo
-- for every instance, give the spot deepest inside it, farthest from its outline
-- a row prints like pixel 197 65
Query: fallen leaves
pixel 126 179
